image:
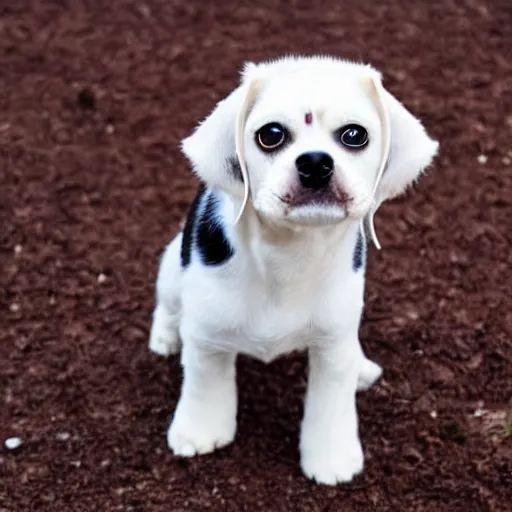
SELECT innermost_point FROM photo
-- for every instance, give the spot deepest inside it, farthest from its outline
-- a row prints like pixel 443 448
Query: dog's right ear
pixel 215 148
pixel 407 149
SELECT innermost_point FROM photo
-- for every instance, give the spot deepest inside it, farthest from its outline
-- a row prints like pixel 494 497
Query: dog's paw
pixel 164 338
pixel 201 432
pixel 330 450
pixel 369 374
pixel 331 465
pixel 164 342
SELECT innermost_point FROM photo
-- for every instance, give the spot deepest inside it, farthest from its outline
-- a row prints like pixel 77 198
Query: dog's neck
pixel 283 251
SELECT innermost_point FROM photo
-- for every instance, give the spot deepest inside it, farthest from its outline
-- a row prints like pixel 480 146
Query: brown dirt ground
pixel 94 98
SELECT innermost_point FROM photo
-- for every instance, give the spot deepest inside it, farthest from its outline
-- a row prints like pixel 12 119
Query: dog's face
pixel 313 140
pixel 313 145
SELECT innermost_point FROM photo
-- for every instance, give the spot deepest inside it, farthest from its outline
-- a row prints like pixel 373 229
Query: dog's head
pixel 311 141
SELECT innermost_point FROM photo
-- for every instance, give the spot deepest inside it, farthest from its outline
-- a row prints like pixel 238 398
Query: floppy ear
pixel 406 150
pixel 215 148
pixel 411 150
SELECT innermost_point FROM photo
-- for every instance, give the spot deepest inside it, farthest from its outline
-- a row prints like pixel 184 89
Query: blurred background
pixel 94 99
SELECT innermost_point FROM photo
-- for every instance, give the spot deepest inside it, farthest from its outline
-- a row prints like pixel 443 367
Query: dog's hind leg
pixel 164 337
pixel 368 374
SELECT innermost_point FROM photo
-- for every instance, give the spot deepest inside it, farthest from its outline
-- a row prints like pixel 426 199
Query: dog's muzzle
pixel 315 169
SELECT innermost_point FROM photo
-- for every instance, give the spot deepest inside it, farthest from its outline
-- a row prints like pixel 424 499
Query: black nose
pixel 315 169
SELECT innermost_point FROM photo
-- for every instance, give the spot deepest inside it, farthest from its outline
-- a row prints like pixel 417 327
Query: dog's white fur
pixel 290 284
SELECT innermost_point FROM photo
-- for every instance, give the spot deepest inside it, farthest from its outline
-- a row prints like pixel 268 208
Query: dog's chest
pixel 282 302
pixel 276 325
pixel 259 320
pixel 267 327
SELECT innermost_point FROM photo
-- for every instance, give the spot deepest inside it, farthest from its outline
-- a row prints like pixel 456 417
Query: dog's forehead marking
pixel 321 99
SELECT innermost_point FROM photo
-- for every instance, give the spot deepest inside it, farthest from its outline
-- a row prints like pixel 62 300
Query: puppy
pixel 294 163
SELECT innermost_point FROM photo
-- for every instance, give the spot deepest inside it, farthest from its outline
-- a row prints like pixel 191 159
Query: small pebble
pixel 62 436
pixel 482 159
pixel 433 414
pixel 109 129
pixel 413 315
pixel 18 248
pixel 13 442
pixel 102 278
pixel 145 10
pixel 478 413
pixel 506 160
pixel 14 307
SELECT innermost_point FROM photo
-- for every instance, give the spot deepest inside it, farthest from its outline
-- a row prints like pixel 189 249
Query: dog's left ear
pixel 215 148
pixel 406 149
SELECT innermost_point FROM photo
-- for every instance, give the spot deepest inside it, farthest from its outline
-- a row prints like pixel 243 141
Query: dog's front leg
pixel 330 448
pixel 205 417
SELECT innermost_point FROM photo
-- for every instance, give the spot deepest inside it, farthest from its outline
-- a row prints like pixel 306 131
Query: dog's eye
pixel 353 136
pixel 271 136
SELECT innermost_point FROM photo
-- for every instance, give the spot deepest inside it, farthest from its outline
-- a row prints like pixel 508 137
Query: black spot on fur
pixel 188 230
pixel 359 256
pixel 211 240
pixel 235 169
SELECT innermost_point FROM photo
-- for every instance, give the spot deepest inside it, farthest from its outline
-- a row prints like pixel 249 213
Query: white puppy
pixel 272 256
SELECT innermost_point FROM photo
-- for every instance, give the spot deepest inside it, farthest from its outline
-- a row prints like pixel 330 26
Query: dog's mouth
pixel 328 197
pixel 316 207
